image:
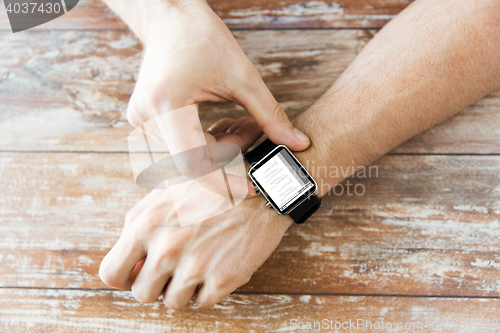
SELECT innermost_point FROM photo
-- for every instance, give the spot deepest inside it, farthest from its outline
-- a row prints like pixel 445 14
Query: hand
pixel 197 154
pixel 191 56
pixel 155 256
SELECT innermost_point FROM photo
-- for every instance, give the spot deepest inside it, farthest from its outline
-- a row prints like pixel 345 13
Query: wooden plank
pixel 262 14
pixel 68 91
pixel 113 311
pixel 87 15
pixel 426 225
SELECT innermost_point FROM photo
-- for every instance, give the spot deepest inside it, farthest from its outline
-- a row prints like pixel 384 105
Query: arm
pixel 425 65
pixel 191 56
pixel 431 61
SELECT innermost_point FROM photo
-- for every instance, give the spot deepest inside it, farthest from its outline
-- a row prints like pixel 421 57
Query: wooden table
pixel 421 245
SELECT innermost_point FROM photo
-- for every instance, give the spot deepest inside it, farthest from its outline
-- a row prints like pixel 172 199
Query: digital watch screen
pixel 282 180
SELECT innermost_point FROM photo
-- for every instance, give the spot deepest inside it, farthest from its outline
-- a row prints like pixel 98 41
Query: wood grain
pixel 426 225
pixel 68 90
pixel 262 14
pixel 114 311
pixel 87 15
pixel 308 14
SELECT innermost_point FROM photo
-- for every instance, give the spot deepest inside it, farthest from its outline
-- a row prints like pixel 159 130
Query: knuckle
pixel 109 278
pixel 142 296
pixel 278 114
pixel 155 96
pixel 165 262
pixel 172 302
pixel 134 115
pixel 250 74
pixel 151 215
pixel 152 219
pixel 136 239
pixel 205 301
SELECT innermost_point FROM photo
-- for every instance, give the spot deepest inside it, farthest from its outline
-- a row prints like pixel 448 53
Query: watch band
pixel 302 212
pixel 259 152
pixel 305 209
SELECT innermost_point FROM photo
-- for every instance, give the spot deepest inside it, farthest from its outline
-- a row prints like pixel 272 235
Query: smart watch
pixel 283 181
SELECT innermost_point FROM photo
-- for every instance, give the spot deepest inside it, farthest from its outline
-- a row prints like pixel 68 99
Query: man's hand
pixel 220 254
pixel 197 154
pixel 191 56
pixel 156 256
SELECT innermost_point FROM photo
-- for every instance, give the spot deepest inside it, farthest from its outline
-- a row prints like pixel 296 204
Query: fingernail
pixel 299 135
pixel 251 192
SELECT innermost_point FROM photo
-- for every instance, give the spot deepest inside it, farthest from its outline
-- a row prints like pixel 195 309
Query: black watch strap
pixel 303 211
pixel 259 152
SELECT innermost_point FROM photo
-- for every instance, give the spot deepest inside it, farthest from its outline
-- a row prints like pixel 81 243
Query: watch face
pixel 282 180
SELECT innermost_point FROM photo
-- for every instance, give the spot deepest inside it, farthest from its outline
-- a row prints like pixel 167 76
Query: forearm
pixel 145 17
pixel 428 63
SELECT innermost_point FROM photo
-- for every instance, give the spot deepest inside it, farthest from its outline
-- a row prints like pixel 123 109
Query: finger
pixel 179 292
pixel 152 279
pixel 117 266
pixel 240 187
pixel 181 129
pixel 186 141
pixel 239 123
pixel 145 202
pixel 209 294
pixel 221 125
pixel 137 269
pixel 258 101
pixel 244 136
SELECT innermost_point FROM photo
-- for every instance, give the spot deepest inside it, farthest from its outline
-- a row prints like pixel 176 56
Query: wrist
pixel 167 17
pixel 281 222
pixel 329 158
pixel 350 143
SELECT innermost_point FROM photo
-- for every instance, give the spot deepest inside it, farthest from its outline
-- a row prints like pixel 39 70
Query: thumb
pixel 258 101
